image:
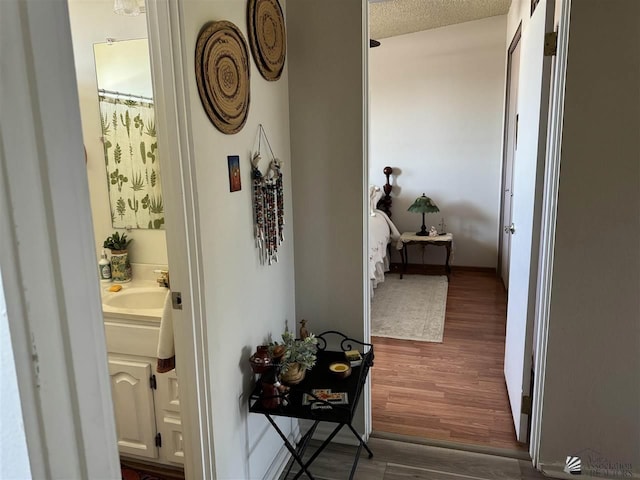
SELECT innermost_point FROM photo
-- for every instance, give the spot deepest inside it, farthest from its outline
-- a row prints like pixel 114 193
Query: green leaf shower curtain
pixel 131 159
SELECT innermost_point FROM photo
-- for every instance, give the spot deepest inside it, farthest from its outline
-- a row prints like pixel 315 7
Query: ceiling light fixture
pixel 129 8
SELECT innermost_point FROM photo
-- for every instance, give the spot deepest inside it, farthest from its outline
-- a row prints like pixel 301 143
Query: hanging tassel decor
pixel 268 203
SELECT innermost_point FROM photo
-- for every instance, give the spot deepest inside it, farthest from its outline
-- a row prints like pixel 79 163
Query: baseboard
pixel 556 470
pixel 486 450
pixel 283 456
pixel 428 268
pixel 462 268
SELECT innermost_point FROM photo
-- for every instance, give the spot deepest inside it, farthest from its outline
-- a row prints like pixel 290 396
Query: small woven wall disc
pixel 222 75
pixel 267 37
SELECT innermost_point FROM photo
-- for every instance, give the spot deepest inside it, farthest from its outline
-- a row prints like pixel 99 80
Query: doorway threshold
pixel 466 447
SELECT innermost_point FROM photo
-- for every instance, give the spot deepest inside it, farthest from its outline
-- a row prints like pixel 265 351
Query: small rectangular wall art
pixel 234 173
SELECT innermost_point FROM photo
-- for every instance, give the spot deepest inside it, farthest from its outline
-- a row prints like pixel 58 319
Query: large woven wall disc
pixel 222 75
pixel 267 37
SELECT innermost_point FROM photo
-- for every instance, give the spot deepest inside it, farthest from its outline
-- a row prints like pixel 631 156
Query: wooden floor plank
pixel 453 390
pixel 400 472
pixel 336 461
pixel 395 460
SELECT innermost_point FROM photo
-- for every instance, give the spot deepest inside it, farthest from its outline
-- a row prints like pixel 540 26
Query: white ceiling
pixel 388 18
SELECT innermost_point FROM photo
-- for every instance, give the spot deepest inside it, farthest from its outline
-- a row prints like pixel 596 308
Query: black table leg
pixel 299 452
pixel 447 266
pixel 362 442
pixel 302 445
pixel 294 453
pixel 319 450
pixel 405 260
pixel 355 462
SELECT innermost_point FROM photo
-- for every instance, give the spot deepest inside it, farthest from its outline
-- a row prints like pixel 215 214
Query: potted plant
pixel 120 266
pixel 299 356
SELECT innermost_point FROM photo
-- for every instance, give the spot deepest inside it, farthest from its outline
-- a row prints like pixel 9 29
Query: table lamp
pixel 423 205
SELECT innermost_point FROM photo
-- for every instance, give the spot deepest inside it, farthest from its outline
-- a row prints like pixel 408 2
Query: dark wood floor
pixel 452 391
pixel 403 461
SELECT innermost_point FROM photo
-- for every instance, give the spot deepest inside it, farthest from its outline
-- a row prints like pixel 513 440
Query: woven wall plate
pixel 222 75
pixel 267 37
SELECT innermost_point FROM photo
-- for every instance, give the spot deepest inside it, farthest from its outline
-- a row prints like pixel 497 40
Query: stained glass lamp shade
pixel 423 205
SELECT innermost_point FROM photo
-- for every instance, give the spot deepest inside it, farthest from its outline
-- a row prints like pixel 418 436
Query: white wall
pixel 437 102
pixel 124 66
pixel 93 21
pixel 326 95
pixel 245 301
pixel 592 384
pixel 328 147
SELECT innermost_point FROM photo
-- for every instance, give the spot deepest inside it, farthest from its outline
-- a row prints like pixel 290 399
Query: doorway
pixel 449 389
pixel 180 248
pixel 114 82
pixel 436 170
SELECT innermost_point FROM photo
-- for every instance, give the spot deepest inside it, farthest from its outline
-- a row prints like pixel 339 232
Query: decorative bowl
pixel 340 369
pixel 261 360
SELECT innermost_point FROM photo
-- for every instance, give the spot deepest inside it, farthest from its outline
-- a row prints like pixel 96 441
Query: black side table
pixel 319 410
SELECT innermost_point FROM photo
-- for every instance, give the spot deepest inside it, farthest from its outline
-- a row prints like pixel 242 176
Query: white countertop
pixel 146 314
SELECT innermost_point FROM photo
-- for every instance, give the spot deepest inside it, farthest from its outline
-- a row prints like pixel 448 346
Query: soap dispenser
pixel 104 266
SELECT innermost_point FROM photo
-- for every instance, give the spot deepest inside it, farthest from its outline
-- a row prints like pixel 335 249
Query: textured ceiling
pixel 388 18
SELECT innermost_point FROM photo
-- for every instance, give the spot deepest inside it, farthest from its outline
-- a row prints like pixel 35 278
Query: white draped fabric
pixel 382 232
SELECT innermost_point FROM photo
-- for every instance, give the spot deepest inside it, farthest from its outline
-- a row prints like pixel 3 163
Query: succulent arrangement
pixel 116 242
pixel 301 351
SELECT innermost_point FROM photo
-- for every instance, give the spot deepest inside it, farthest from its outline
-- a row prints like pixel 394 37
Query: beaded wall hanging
pixel 268 203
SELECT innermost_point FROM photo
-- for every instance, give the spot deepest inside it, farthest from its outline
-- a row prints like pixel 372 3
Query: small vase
pixel 261 360
pixel 294 374
pixel 120 266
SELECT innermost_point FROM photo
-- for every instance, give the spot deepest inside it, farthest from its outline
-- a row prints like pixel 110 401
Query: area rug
pixel 410 309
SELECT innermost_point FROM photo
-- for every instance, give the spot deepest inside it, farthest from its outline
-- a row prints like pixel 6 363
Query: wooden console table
pixel 410 238
pixel 300 402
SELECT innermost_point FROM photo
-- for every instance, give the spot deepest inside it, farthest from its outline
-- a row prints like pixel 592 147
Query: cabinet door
pixel 168 417
pixel 133 404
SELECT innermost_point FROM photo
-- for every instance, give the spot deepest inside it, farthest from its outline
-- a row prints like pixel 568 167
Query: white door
pixel 133 405
pixel 510 146
pixel 533 106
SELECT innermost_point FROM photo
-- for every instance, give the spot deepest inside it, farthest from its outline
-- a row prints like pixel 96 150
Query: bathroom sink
pixel 136 298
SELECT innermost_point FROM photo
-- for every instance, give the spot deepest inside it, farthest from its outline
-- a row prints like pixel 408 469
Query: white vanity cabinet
pixel 146 403
pixel 133 406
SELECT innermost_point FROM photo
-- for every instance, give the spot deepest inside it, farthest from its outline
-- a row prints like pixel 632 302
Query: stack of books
pixel 353 357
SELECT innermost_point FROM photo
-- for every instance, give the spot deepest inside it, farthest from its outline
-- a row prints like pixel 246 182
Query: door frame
pixel 164 26
pixel 548 224
pixel 48 256
pixel 512 46
pixel 523 297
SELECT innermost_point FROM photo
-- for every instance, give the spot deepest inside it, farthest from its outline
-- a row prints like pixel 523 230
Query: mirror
pixel 127 116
